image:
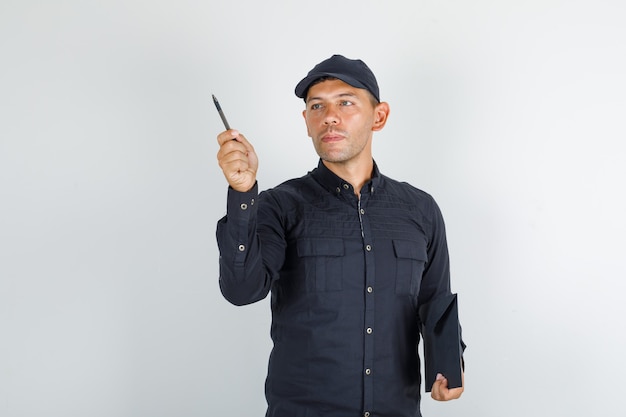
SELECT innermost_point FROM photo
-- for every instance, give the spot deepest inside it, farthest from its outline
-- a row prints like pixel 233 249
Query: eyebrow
pixel 340 95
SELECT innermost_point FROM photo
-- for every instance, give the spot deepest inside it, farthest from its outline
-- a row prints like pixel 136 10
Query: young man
pixel 348 254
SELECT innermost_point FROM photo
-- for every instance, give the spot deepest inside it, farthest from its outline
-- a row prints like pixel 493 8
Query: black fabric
pixel 347 277
pixel 443 347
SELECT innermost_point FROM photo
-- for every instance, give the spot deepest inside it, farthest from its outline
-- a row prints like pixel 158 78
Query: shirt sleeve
pixel 436 276
pixel 244 276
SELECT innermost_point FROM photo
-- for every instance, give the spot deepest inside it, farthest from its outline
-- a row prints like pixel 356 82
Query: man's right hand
pixel 238 160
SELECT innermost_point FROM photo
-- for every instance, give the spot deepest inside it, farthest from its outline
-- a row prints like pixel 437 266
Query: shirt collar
pixel 337 185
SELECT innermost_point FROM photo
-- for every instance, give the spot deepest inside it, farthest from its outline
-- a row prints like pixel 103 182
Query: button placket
pixel 368 331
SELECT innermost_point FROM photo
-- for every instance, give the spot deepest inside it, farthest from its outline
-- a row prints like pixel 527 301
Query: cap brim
pixel 303 86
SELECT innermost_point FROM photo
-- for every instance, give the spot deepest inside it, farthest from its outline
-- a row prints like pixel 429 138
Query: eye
pixel 346 103
pixel 316 106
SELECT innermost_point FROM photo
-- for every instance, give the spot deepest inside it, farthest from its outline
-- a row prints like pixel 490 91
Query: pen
pixel 219 110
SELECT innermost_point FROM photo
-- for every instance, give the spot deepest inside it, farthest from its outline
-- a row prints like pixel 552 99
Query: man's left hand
pixel 441 392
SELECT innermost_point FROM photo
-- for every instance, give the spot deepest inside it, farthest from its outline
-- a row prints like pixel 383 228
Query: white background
pixel 511 113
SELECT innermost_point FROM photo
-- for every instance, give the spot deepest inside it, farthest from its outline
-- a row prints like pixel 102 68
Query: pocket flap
pixel 410 249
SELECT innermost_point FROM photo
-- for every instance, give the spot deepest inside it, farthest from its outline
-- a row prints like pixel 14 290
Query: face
pixel 341 119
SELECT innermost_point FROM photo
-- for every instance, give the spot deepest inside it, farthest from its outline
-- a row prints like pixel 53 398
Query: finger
pixel 239 175
pixel 231 146
pixel 230 138
pixel 242 139
pixel 446 394
pixel 439 389
pixel 230 135
pixel 227 135
pixel 235 157
pixel 235 161
pixel 454 393
pixel 235 152
pixel 444 383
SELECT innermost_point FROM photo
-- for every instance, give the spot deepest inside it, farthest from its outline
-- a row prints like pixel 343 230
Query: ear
pixel 381 113
pixel 308 132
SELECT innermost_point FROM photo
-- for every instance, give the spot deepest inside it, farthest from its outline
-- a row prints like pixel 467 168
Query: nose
pixel 331 117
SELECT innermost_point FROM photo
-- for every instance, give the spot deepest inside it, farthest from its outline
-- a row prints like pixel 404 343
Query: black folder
pixel 443 347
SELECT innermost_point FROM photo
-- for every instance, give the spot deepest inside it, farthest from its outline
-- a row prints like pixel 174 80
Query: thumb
pixel 442 380
pixel 440 384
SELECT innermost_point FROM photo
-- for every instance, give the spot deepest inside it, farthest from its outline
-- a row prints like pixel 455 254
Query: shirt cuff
pixel 241 203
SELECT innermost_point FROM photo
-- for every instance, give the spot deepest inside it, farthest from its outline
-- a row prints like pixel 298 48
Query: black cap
pixel 350 71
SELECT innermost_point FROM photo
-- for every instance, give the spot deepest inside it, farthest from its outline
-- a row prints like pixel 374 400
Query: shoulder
pixel 292 192
pixel 404 191
pixel 292 186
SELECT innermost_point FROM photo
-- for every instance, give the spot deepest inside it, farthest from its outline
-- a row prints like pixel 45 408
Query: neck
pixel 357 173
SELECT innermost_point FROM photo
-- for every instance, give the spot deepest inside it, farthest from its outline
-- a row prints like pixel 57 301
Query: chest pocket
pixel 322 263
pixel 411 257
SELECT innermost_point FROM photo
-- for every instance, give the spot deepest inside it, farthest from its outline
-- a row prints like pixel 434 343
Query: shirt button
pixel 362 211
pixel 252 202
pixel 366 414
pixel 346 186
pixel 338 190
pixel 370 289
pixel 242 248
pixel 368 248
pixel 369 330
pixel 368 371
pixel 244 206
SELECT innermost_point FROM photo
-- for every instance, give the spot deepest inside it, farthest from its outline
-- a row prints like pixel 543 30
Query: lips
pixel 332 137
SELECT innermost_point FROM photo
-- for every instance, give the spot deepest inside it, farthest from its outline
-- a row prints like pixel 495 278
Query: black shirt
pixel 346 275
